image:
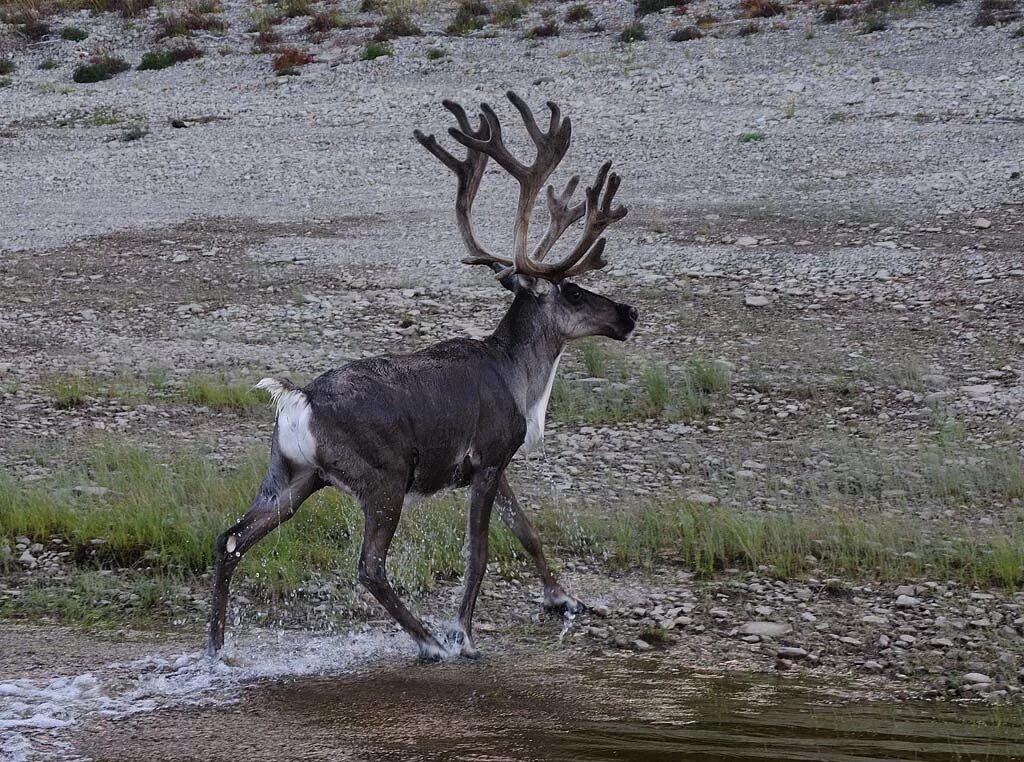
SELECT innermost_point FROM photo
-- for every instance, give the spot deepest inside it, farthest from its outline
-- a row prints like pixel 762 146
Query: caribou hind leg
pixel 555 598
pixel 280 495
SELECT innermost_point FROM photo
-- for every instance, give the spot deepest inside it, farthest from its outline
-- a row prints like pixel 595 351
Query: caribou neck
pixel 529 348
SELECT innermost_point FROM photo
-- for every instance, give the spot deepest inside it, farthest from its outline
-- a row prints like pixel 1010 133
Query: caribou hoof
pixel 458 638
pixel 430 650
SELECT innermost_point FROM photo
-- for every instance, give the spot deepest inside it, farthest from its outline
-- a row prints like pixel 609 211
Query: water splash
pixel 35 715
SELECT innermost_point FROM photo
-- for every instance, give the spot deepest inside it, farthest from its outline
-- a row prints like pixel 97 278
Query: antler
pixel 486 141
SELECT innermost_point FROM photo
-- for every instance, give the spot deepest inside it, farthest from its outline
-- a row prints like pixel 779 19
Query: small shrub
pixel 191 20
pixel 508 13
pixel 752 137
pixel 643 7
pixel 686 34
pixel 161 59
pixel 396 25
pixel 1017 33
pixel 749 29
pixel 832 14
pixel 127 8
pixel 5 82
pixel 547 29
pixel 6 66
pixel 789 110
pixel 289 60
pixel 633 33
pixel 100 68
pixel 435 54
pixel 578 12
pixel 763 9
pixel 134 133
pixel 469 17
pixel 374 50
pixel 295 8
pixel 265 41
pixel 264 20
pixel 73 33
pixel 324 21
pixel 371 6
pixel 992 12
pixel 48 65
pixel 872 24
pixel 34 29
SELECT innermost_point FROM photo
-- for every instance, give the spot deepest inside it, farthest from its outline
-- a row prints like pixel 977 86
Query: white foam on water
pixel 35 715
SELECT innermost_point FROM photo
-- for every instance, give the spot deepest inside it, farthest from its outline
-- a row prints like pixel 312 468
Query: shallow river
pixel 361 697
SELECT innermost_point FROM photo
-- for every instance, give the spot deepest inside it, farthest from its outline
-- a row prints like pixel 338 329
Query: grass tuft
pixel 578 12
pixel 754 136
pixel 221 394
pixel 633 33
pixel 7 66
pixel 764 9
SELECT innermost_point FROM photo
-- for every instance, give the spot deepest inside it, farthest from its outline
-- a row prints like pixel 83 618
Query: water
pixel 361 697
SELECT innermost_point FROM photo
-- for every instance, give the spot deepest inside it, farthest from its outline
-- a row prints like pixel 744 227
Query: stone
pixel 873 666
pixel 907 602
pixel 756 300
pixel 976 678
pixel 791 652
pixel 978 391
pixel 981 222
pixel 746 240
pixel 766 629
pixel 642 645
pixel 686 34
pixel 601 610
pixel 27 560
pixel 179 259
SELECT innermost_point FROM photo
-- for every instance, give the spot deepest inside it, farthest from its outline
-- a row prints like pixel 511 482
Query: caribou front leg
pixel 481 500
pixel 381 520
pixel 555 598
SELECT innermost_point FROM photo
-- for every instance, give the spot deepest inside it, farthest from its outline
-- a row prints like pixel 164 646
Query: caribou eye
pixel 573 293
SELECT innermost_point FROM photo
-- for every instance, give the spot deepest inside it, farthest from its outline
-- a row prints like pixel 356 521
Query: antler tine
pixel 587 254
pixel 561 216
pixel 468 172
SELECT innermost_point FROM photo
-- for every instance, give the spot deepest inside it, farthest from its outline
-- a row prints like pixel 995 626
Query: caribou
pixel 453 414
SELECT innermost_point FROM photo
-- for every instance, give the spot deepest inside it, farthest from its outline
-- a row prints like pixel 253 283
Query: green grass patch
pixel 754 136
pixel 100 68
pixel 7 66
pixel 162 59
pixel 219 393
pixel 73 33
pixel 159 516
pixel 373 50
pixel 659 393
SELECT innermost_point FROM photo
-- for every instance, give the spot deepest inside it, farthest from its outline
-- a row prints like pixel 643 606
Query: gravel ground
pixel 856 270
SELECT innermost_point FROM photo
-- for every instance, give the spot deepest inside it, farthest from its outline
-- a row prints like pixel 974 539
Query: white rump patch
pixel 294 436
pixel 537 414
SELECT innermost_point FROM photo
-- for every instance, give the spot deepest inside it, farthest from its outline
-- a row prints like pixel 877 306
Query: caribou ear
pixel 513 282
